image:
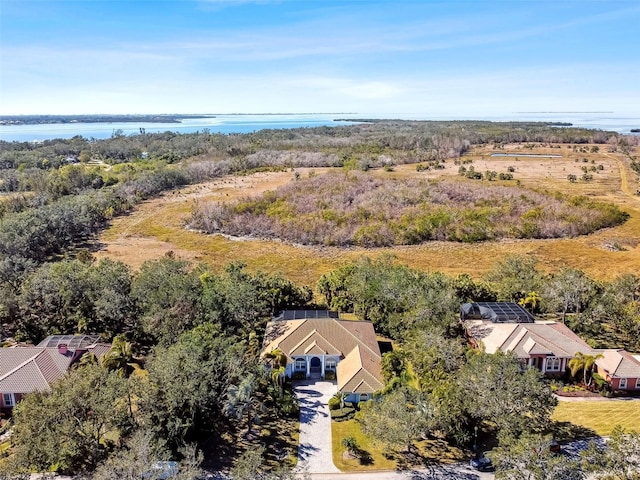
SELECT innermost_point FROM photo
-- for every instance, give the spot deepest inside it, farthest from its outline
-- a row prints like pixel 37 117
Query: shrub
pixel 343 414
pixel 288 404
pixel 359 209
pixel 351 444
pixel 334 403
pixel 329 375
pixel 299 376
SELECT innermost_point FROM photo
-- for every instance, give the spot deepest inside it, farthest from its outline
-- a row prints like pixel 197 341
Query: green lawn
pixel 429 450
pixel 600 416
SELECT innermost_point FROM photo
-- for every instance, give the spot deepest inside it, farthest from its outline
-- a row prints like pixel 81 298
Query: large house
pixel 318 344
pixel 545 345
pixel 26 369
pixel 620 369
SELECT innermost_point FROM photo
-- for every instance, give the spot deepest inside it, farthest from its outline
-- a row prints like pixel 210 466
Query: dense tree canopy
pixel 71 428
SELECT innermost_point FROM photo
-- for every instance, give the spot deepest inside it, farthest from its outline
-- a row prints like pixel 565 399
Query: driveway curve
pixel 314 449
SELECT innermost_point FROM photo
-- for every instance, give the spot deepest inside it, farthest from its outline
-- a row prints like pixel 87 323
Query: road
pixel 435 472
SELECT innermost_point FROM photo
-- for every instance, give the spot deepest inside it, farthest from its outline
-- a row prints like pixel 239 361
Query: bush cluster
pixel 339 209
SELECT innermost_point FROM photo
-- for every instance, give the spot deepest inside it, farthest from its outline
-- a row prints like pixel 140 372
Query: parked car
pixel 482 463
pixel 164 470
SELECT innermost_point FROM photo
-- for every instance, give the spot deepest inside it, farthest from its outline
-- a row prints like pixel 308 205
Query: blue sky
pixel 467 58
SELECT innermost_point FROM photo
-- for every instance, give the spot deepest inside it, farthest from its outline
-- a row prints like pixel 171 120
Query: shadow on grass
pixel 363 456
pixel 563 431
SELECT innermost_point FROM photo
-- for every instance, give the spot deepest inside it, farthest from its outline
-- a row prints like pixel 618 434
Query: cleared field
pixel 157 226
pixel 600 416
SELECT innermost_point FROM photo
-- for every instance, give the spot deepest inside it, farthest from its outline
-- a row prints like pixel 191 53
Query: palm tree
pixel 585 363
pixel 87 358
pixel 242 399
pixel 277 377
pixel 120 358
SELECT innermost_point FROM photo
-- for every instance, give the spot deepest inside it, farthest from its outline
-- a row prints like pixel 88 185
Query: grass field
pixel 429 450
pixel 157 226
pixel 600 416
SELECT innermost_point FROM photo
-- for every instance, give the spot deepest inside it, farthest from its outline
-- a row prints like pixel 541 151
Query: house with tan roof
pixel 620 369
pixel 545 345
pixel 26 369
pixel 318 344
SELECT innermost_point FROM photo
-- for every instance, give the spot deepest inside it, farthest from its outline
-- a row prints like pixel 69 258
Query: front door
pixel 316 365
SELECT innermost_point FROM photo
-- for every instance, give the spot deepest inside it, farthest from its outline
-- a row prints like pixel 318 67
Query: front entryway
pixel 315 367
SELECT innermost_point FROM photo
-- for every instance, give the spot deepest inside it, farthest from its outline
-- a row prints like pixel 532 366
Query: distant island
pixel 43 119
pixel 387 120
pixel 635 130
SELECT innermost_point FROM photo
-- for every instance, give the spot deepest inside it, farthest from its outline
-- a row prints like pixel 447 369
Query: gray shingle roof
pixel 619 363
pixel 526 339
pixel 30 369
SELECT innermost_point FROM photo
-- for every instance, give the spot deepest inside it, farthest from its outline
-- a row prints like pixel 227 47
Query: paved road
pixel 596 399
pixel 435 472
pixel 314 449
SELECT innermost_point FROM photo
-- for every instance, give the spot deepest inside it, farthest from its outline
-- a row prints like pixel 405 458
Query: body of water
pixel 249 123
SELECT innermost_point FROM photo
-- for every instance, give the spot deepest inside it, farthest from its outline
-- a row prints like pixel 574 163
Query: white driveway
pixel 314 449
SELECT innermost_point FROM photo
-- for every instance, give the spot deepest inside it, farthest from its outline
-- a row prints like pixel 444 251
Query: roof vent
pixel 62 349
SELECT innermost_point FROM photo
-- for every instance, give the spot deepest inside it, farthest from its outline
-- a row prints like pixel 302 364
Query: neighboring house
pixel 620 369
pixel 545 345
pixel 26 369
pixel 496 312
pixel 317 342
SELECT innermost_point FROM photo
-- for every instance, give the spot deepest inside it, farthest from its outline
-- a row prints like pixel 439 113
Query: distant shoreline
pixel 126 118
pixel 63 119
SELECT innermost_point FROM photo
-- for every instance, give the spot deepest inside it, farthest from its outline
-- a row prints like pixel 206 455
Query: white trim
pixel 620 385
pixel 8 400
pixel 303 365
pixel 553 364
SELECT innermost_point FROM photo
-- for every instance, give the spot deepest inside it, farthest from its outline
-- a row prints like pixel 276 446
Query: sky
pixel 466 58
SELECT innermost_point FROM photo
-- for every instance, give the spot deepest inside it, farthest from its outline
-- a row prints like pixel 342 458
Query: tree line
pixel 193 330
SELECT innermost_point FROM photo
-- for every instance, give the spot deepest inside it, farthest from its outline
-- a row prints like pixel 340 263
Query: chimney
pixel 62 349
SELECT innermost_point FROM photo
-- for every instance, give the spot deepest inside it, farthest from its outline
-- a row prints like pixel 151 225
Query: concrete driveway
pixel 314 449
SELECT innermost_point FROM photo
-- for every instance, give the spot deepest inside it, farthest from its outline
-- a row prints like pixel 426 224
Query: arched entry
pixel 316 365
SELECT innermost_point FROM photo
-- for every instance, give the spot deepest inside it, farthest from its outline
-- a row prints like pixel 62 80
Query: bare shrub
pixel 355 208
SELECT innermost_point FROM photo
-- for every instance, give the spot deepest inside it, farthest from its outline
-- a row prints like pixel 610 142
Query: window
pixel 8 399
pixel 553 364
pixel 301 364
pixel 623 383
pixel 330 364
pixel 637 383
